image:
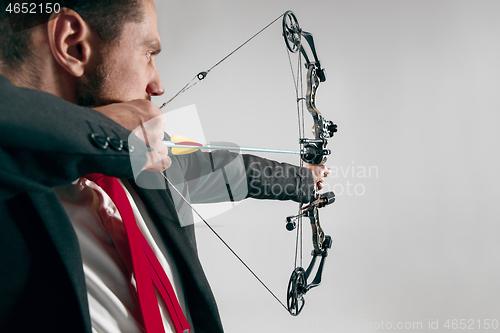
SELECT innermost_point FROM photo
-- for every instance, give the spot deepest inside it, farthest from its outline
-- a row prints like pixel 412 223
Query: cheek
pixel 127 82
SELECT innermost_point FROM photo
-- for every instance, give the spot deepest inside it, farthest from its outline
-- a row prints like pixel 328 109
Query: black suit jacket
pixel 46 142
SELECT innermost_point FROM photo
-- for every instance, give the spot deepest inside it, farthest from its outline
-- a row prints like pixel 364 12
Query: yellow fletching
pixel 180 150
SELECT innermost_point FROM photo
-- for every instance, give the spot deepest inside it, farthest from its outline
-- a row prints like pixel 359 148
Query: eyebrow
pixel 154 44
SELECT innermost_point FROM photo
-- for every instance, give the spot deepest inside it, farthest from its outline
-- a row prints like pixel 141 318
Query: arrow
pixel 182 146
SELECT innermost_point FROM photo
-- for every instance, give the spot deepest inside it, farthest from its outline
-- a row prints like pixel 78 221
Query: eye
pixel 149 54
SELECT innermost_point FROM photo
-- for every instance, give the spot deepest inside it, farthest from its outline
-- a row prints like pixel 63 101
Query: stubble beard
pixel 91 90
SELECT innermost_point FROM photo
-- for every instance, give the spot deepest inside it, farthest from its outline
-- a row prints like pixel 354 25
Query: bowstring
pixel 222 240
pixel 191 84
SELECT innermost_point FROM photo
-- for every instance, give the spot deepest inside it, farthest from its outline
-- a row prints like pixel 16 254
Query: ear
pixel 71 41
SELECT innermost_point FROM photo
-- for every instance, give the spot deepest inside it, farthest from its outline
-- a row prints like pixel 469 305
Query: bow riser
pixel 318 236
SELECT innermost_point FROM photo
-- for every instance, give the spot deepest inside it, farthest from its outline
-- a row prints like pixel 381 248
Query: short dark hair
pixel 105 17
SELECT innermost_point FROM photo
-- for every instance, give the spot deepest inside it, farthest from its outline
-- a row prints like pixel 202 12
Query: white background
pixel 414 88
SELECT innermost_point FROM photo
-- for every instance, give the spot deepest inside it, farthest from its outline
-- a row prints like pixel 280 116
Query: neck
pixel 24 75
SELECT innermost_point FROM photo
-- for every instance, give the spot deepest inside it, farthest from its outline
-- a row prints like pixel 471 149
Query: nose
pixel 155 88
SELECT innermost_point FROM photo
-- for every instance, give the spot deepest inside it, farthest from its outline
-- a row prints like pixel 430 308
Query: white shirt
pixel 112 302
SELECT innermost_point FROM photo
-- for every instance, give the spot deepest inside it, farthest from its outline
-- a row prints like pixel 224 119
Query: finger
pixel 320 184
pixel 163 119
pixel 326 172
pixel 158 164
pixel 152 131
pixel 162 164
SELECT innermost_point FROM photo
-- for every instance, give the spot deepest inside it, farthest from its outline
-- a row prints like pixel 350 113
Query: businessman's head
pixel 96 53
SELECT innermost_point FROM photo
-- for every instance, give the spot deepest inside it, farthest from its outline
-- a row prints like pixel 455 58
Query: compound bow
pixel 313 151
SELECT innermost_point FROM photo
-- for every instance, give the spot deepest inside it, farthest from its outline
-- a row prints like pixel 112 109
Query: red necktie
pixel 147 268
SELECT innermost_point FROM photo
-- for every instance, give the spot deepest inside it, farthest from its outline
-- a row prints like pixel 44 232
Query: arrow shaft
pixel 235 148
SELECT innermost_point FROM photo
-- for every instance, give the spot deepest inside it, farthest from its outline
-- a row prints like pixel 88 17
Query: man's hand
pixel 151 132
pixel 320 172
pixel 146 121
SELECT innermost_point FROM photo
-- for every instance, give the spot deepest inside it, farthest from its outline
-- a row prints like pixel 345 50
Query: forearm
pixel 224 176
pixel 269 179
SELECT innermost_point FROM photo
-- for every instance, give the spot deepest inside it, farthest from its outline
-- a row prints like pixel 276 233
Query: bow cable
pixel 299 93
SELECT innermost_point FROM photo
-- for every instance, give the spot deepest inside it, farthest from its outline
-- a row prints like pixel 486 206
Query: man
pixel 76 58
pixel 47 142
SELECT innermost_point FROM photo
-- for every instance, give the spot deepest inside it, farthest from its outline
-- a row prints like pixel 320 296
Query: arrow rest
pixel 314 152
